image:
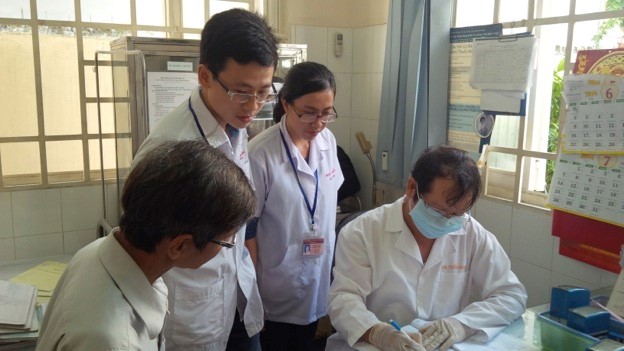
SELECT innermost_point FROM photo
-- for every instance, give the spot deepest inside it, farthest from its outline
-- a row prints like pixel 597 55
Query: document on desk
pixel 503 63
pixel 44 277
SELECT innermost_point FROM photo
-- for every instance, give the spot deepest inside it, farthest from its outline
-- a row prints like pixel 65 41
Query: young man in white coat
pixel 423 260
pixel 111 296
pixel 218 306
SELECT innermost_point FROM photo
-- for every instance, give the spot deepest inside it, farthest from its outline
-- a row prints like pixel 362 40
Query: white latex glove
pixel 385 337
pixel 444 333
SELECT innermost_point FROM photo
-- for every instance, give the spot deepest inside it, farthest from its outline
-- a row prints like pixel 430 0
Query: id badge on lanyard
pixel 313 243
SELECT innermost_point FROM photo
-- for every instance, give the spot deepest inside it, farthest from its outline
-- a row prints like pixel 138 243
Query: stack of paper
pixel 18 318
pixel 44 277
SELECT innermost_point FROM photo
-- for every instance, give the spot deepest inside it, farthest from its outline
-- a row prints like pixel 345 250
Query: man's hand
pixel 444 333
pixel 385 337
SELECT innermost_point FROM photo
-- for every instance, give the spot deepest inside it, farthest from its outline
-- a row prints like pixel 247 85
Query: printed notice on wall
pixel 165 91
pixel 464 100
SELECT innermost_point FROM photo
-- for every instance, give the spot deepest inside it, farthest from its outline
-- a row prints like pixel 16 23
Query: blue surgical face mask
pixel 433 224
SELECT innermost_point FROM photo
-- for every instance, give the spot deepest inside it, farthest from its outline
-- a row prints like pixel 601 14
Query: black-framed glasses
pixel 226 244
pixel 242 98
pixel 310 117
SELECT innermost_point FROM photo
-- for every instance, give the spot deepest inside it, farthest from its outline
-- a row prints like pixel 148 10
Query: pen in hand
pixel 397 327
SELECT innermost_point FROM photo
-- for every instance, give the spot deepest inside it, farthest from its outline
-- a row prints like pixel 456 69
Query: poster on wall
pixel 468 126
pixel 165 91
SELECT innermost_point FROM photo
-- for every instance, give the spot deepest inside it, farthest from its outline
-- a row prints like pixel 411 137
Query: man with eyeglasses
pixel 423 260
pixel 111 296
pixel 218 306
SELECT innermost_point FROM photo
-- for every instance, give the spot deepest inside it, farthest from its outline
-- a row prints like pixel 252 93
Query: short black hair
pixel 184 187
pixel 238 34
pixel 303 78
pixel 451 163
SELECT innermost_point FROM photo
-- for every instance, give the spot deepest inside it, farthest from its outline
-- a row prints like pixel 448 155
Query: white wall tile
pixel 316 39
pixel 378 48
pixel 575 269
pixel 535 279
pixel 557 279
pixel 6 216
pixel 342 131
pixel 608 279
pixel 361 90
pixel 74 241
pixel 7 249
pixel 495 217
pixel 362 61
pixel 343 94
pixel 36 211
pixel 81 207
pixel 344 63
pixel 35 246
pixel 531 240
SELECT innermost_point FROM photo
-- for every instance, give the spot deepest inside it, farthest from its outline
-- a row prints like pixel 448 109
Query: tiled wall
pixel 50 222
pixel 358 77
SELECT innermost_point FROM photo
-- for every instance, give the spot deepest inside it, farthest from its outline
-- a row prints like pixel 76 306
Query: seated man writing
pixel 423 258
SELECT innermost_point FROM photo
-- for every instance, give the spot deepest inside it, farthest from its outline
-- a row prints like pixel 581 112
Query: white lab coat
pixel 104 301
pixel 294 288
pixel 379 275
pixel 203 302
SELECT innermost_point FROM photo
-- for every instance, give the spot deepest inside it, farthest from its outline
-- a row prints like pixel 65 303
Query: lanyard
pixel 311 209
pixel 201 131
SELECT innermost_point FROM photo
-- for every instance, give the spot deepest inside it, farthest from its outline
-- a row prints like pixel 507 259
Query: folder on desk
pixel 17 305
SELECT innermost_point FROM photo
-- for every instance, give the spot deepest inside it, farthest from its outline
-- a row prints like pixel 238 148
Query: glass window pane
pixel 597 6
pixel 18 103
pixel 21 163
pixel 110 11
pixel 15 9
pixel 108 118
pixel 537 178
pixel 513 10
pixel 192 36
pixel 500 175
pixel 59 80
pixel 545 98
pixel 105 79
pixel 65 161
pixel 151 34
pixel 505 131
pixel 553 8
pixel 193 14
pixel 467 14
pixel 109 158
pixel 62 10
pixel 94 39
pixel 150 12
pixel 217 6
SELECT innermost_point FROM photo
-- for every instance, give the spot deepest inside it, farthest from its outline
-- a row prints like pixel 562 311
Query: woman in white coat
pixel 423 260
pixel 297 175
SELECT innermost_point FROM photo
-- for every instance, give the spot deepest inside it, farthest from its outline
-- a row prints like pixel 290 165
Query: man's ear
pixel 204 75
pixel 180 246
pixel 410 188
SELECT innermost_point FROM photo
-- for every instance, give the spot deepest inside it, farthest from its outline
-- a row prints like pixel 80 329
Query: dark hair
pixel 238 34
pixel 448 162
pixel 184 187
pixel 303 78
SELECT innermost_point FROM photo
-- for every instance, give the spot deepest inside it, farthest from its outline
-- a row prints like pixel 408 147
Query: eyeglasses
pixel 311 117
pixel 445 213
pixel 227 245
pixel 242 98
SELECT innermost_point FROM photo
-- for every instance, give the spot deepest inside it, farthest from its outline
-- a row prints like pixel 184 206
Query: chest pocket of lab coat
pixel 451 287
pixel 198 314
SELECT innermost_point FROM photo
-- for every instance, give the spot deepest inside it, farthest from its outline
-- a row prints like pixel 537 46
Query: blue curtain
pixel 413 113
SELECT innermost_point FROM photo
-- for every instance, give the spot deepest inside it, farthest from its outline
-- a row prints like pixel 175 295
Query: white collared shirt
pixel 294 288
pixel 380 275
pixel 203 302
pixel 104 301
